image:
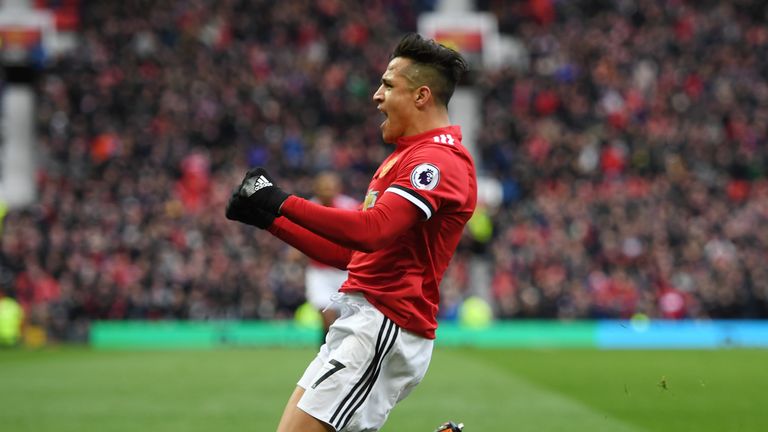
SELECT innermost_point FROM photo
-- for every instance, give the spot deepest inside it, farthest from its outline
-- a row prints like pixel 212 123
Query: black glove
pixel 239 209
pixel 261 192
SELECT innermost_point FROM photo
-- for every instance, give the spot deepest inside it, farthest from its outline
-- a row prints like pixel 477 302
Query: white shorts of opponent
pixel 322 283
pixel 367 365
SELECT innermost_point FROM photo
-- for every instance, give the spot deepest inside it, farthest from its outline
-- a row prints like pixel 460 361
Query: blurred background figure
pixel 323 281
pixel 11 319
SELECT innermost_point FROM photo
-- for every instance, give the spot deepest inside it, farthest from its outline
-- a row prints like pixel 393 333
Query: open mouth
pixel 386 117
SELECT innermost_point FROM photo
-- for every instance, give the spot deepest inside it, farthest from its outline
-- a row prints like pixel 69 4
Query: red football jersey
pixel 341 201
pixel 434 172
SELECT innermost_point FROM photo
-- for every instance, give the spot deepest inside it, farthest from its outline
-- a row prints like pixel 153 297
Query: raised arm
pixel 310 244
pixel 364 231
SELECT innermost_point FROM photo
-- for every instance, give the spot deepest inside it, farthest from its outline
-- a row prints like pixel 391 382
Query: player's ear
pixel 422 96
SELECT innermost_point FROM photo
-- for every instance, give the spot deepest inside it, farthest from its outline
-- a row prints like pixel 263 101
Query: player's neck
pixel 429 120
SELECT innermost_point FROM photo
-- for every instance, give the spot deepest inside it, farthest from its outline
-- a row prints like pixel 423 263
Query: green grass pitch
pixel 68 389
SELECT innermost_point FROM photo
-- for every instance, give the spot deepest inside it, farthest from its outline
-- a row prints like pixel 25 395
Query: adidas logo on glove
pixel 254 184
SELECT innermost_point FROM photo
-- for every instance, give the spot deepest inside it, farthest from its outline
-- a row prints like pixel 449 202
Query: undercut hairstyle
pixel 434 65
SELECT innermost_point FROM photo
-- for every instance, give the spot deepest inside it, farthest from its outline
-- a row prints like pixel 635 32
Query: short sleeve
pixel 431 178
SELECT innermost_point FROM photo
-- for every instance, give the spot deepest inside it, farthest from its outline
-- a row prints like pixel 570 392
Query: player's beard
pixel 384 128
pixel 391 129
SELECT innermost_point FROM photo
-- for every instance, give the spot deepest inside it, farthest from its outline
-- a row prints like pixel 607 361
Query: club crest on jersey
pixel 425 176
pixel 385 169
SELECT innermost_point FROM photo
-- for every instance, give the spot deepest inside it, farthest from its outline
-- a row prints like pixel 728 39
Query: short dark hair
pixel 434 65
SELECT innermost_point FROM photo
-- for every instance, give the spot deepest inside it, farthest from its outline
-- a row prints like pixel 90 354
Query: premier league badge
pixel 425 176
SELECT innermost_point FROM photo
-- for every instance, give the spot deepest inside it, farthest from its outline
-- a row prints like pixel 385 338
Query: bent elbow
pixel 365 248
pixel 372 245
pixel 341 265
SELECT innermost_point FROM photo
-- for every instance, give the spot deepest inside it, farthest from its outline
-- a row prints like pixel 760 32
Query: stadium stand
pixel 632 152
pixel 633 159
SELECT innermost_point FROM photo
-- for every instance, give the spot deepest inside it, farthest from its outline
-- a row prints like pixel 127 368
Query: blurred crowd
pixel 629 141
pixel 632 149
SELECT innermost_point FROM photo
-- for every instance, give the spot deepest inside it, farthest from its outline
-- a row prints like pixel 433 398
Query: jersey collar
pixel 453 130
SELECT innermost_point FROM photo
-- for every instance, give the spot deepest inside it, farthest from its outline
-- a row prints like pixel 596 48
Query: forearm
pixel 310 244
pixel 364 231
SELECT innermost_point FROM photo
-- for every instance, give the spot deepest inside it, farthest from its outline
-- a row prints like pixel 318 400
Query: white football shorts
pixel 322 283
pixel 366 366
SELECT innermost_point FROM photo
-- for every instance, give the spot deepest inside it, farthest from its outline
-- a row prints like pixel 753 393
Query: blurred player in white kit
pixel 323 281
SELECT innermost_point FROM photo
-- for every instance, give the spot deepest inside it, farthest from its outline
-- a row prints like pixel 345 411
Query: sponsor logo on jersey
pixel 370 199
pixel 425 176
pixel 254 184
